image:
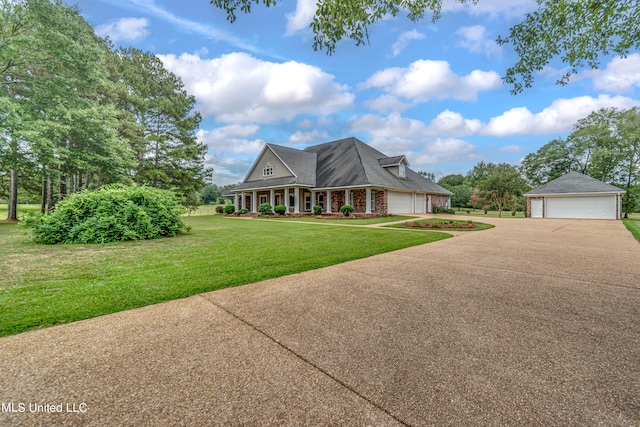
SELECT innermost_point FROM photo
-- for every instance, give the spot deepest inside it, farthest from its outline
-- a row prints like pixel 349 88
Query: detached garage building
pixel 575 195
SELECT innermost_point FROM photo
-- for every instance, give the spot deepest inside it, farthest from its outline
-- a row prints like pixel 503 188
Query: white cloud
pixel 442 150
pixel 427 79
pixel 230 139
pixel 238 88
pixel 404 39
pixel 446 124
pixel 124 29
pixel 620 75
pixel 227 170
pixel 305 138
pixel 300 19
pixel 387 103
pixel 450 123
pixel 475 39
pixel 493 8
pixel 560 116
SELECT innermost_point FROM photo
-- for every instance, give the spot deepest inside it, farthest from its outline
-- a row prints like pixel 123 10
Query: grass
pixel 633 225
pixel 351 221
pixel 436 221
pixel 47 285
pixel 490 214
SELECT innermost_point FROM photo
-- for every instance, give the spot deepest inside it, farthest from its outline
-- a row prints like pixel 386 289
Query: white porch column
pixel 346 196
pixel 235 200
pixel 368 201
pixel 254 202
pixel 286 198
pixel 429 206
pixel 244 201
pixel 272 198
pixel 313 200
pixel 328 202
pixel 296 200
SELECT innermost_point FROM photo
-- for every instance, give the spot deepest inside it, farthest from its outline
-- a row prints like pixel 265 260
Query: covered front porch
pixel 301 200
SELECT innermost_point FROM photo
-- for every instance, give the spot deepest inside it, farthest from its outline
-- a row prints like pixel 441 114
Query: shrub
pixel 280 209
pixel 438 209
pixel 113 213
pixel 346 210
pixel 317 210
pixel 242 211
pixel 219 209
pixel 265 209
pixel 229 209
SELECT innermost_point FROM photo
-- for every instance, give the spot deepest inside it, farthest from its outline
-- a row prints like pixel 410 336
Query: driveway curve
pixel 533 322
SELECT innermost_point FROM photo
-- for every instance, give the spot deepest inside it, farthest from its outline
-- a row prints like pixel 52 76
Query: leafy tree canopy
pixel 579 33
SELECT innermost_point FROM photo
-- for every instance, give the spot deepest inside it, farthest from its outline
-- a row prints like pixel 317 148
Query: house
pixel 330 175
pixel 575 195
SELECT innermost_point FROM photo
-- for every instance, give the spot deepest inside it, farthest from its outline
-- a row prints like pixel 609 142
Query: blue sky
pixel 430 91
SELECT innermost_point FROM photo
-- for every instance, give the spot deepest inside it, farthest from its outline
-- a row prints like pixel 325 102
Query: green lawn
pixel 352 221
pixel 47 285
pixel 444 222
pixel 633 225
pixel 21 210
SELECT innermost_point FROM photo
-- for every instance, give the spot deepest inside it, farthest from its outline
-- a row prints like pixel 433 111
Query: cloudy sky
pixel 430 91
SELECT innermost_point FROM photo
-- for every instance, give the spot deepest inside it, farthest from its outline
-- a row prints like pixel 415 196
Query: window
pixel 268 170
pixel 263 199
pixel 402 171
pixel 373 200
pixel 307 202
pixel 321 200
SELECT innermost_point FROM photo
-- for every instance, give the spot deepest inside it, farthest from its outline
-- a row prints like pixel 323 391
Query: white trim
pixel 604 193
pixel 254 202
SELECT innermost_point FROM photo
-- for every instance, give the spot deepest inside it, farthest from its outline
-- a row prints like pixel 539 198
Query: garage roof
pixel 574 183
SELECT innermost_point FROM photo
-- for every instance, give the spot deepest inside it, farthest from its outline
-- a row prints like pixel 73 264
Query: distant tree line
pixel 604 145
pixel 76 113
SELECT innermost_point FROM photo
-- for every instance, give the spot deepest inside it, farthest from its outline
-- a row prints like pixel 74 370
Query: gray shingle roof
pixel 343 163
pixel 574 183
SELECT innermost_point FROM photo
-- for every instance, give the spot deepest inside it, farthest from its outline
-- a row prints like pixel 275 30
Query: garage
pixel 575 195
pixel 421 203
pixel 400 202
pixel 587 207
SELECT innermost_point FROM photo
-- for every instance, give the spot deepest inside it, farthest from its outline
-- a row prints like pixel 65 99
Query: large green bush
pixel 114 213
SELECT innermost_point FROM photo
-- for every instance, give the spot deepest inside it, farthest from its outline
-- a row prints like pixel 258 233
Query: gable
pixel 574 183
pixel 268 159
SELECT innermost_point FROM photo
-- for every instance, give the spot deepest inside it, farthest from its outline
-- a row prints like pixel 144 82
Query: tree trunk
pixel 62 187
pixel 43 194
pixel 50 200
pixel 98 185
pixel 78 181
pixel 87 178
pixel 12 214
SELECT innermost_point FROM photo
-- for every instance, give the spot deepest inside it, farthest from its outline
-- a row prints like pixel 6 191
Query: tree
pixel 501 183
pixel 167 152
pixel 551 161
pixel 628 127
pixel 428 175
pixel 577 32
pixel 461 197
pixel 450 181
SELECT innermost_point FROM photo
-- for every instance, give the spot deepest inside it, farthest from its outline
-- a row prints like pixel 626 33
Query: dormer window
pixel 402 171
pixel 268 170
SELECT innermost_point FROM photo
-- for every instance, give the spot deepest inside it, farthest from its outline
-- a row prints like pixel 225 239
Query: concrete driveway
pixel 534 322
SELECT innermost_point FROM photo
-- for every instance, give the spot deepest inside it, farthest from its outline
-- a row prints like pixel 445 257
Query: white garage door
pixel 421 203
pixel 591 207
pixel 400 202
